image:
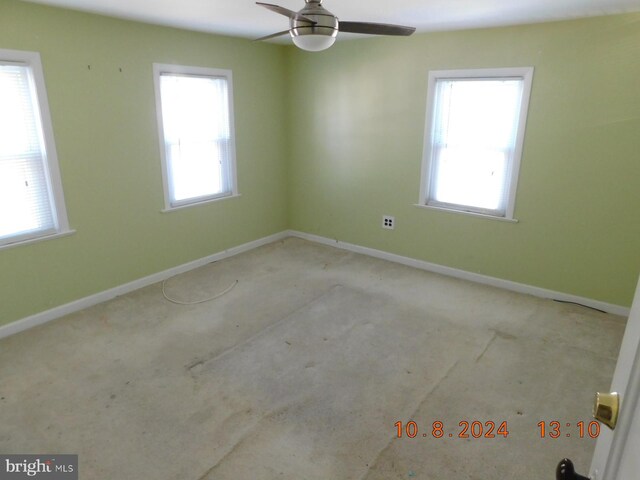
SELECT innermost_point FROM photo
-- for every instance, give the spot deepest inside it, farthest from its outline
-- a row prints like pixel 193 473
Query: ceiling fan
pixel 314 28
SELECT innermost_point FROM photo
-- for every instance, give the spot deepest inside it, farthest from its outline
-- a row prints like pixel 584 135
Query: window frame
pixel 51 166
pixel 427 174
pixel 163 68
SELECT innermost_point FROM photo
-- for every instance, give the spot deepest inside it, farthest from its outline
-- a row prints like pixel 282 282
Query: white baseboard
pixel 464 275
pixel 91 300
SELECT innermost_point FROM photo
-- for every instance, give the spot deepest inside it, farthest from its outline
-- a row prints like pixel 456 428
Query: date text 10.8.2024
pixel 465 429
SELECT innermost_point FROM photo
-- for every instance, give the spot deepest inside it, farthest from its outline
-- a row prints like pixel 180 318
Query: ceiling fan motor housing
pixel 326 22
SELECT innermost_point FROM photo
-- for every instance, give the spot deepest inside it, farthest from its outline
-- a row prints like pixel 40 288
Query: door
pixel 616 454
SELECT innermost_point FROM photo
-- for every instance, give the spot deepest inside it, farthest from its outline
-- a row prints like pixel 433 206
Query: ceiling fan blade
pixel 375 28
pixel 286 12
pixel 273 35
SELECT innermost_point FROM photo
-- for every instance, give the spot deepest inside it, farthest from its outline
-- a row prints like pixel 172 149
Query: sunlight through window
pixel 197 136
pixel 473 142
pixel 27 206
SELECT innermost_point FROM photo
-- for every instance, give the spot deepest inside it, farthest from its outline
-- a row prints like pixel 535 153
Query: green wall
pixel 357 145
pixel 334 167
pixel 105 128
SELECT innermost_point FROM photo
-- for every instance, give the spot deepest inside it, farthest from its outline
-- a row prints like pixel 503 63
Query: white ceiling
pixel 243 18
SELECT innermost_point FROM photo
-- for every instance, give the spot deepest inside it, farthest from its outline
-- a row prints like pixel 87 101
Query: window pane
pixel 195 113
pixel 474 135
pixel 480 112
pixel 25 201
pixel 471 177
pixel 195 169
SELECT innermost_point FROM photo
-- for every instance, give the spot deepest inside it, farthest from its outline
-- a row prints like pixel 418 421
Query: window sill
pixel 197 204
pixel 29 241
pixel 472 214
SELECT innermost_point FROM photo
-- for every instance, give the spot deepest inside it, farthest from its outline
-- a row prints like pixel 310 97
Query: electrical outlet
pixel 388 222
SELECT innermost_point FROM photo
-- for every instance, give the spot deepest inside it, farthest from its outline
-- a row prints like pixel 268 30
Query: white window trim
pixel 456 211
pixel 158 69
pixel 32 240
pixel 214 199
pixel 526 74
pixel 51 166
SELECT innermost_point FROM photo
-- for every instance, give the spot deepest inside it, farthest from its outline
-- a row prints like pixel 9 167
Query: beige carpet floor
pixel 303 370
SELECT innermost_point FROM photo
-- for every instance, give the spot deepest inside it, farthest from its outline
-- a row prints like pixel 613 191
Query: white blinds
pixel 196 124
pixel 26 206
pixel 474 136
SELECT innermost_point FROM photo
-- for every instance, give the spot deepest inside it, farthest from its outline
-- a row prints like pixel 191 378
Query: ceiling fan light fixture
pixel 314 43
pixel 316 36
pixel 313 39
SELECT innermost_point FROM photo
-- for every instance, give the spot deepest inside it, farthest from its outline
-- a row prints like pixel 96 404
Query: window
pixel 195 117
pixel 473 141
pixel 31 199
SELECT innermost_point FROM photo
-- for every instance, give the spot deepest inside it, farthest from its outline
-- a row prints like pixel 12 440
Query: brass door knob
pixel 606 407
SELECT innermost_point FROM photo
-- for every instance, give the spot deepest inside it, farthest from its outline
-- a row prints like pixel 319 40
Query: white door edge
pixel 612 445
